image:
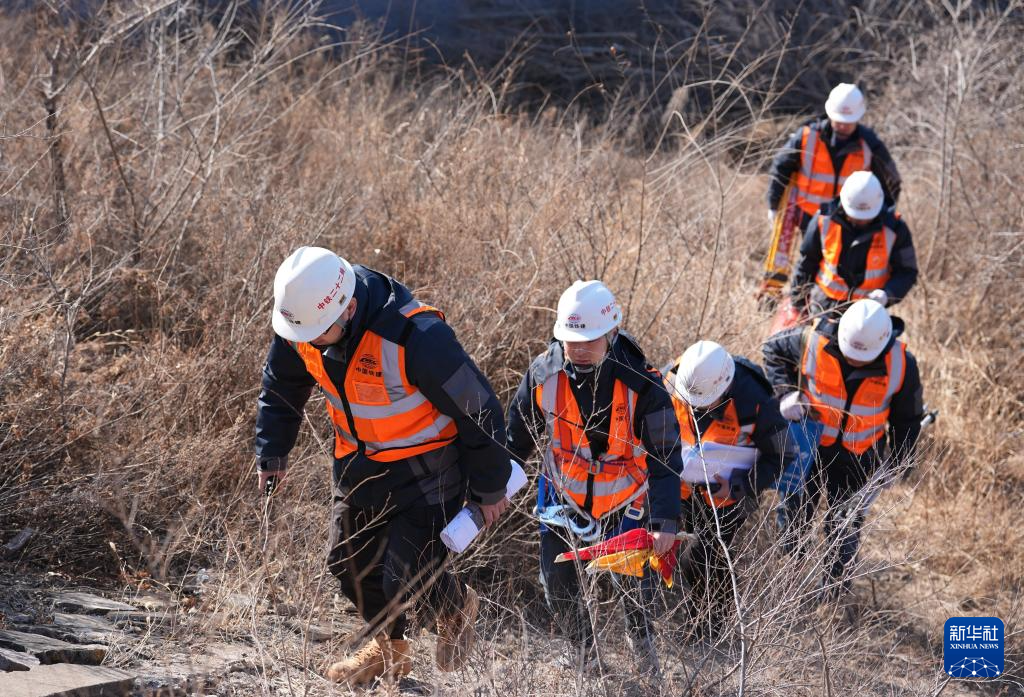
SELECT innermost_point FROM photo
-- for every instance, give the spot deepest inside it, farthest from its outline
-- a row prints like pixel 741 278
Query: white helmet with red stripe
pixel 586 311
pixel 864 331
pixel 845 103
pixel 705 372
pixel 312 288
pixel 861 196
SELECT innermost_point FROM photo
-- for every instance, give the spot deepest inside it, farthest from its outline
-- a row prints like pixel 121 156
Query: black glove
pixel 739 485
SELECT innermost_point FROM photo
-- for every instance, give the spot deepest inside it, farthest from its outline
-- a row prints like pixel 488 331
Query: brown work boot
pixel 456 633
pixel 381 658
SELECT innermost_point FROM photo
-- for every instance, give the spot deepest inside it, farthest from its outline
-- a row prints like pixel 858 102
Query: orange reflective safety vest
pixel 876 275
pixel 860 419
pixel 379 413
pixel 816 181
pixel 592 486
pixel 726 431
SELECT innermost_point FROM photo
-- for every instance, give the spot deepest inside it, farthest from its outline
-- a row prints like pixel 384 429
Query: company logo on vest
pixel 973 647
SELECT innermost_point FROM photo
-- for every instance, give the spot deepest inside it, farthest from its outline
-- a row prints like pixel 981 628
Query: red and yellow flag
pixel 627 554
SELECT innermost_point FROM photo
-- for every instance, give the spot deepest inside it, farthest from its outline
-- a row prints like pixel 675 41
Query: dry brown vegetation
pixel 143 219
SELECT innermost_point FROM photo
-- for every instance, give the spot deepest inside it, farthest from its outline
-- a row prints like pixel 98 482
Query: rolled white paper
pixel 516 481
pixel 462 530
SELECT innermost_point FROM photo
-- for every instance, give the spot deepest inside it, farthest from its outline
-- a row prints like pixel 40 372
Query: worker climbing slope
pixel 415 423
pixel 736 447
pixel 810 169
pixel 854 248
pixel 610 444
pixel 862 384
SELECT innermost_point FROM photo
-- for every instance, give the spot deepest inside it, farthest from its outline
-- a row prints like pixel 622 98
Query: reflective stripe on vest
pixel 393 420
pixel 614 480
pixel 816 180
pixel 876 272
pixel 862 422
pixel 726 431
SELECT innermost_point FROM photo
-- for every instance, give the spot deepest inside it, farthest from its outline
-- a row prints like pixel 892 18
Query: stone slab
pixel 16 660
pixel 11 549
pixel 90 604
pixel 48 630
pixel 74 622
pixel 86 628
pixel 142 618
pixel 50 651
pixel 67 680
pixel 314 632
pixel 73 635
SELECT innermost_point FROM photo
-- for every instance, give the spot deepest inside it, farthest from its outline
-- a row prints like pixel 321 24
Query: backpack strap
pixel 805 338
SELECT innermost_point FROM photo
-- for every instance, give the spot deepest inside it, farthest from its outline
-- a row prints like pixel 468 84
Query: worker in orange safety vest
pixel 417 431
pixel 862 385
pixel 853 249
pixel 735 446
pixel 824 151
pixel 600 416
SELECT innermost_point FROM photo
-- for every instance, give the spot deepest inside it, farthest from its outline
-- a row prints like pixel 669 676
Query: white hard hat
pixel 704 374
pixel 862 196
pixel 587 310
pixel 845 103
pixel 864 330
pixel 311 289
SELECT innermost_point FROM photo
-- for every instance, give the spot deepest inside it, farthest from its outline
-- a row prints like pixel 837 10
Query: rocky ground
pixel 197 637
pixel 58 640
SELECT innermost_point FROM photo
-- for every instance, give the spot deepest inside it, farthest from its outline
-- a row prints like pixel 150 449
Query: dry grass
pixel 192 162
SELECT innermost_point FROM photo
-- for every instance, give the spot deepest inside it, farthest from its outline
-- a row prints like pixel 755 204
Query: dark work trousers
pixel 703 564
pixel 385 560
pixel 840 476
pixel 565 599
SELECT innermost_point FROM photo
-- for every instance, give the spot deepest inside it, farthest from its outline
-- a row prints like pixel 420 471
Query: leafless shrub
pixel 134 300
